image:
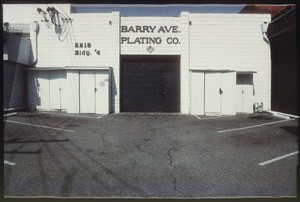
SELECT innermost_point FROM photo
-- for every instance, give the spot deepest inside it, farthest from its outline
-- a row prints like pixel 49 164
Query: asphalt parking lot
pixel 149 155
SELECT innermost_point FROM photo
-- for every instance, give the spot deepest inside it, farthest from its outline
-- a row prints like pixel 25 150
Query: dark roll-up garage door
pixel 150 83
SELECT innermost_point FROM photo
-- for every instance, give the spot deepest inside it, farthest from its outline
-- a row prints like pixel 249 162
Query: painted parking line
pixel 9 163
pixel 215 117
pixel 278 158
pixel 40 126
pixel 197 116
pixel 73 115
pixel 255 126
pixel 100 116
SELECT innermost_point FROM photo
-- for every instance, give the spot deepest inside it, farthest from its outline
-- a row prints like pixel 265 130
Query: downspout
pixel 34 42
pixel 264 28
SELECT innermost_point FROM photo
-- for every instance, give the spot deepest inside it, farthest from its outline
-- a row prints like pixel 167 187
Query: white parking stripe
pixel 197 116
pixel 100 116
pixel 69 115
pixel 217 117
pixel 40 126
pixel 255 126
pixel 9 163
pixel 278 158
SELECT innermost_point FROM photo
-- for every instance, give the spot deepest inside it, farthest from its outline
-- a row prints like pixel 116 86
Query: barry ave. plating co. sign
pixel 160 30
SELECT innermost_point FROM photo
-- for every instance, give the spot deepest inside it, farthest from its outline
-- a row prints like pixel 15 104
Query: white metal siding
pixel 156 23
pixel 232 41
pixel 100 30
pixel 184 63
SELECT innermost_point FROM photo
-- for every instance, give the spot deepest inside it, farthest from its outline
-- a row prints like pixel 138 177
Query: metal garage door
pixel 150 84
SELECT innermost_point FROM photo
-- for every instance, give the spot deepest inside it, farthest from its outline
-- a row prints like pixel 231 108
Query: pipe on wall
pixel 264 29
pixel 34 42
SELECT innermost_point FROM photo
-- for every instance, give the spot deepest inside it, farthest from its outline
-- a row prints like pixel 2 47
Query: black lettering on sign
pixel 83 45
pixel 138 28
pixel 141 40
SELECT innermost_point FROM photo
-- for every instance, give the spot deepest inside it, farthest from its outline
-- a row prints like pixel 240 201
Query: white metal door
pixel 42 86
pixel 64 92
pixel 244 93
pixel 239 98
pixel 102 92
pixel 87 92
pixel 55 90
pixel 212 93
pixel 247 98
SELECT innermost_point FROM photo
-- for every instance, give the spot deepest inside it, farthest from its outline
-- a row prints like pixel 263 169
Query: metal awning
pixel 246 72
pixel 70 68
pixel 212 70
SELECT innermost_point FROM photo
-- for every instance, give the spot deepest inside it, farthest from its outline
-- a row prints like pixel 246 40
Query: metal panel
pixel 197 93
pixel 228 95
pixel 170 86
pixel 212 93
pixel 87 92
pixel 58 98
pixel 102 92
pixel 42 86
pixel 73 91
pixel 64 91
pixel 150 84
pixel 55 90
pixel 244 93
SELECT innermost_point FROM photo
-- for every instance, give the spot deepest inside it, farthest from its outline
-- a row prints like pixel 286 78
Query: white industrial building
pixel 203 64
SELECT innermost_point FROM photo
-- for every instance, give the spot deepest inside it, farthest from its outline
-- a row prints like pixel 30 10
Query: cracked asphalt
pixel 148 155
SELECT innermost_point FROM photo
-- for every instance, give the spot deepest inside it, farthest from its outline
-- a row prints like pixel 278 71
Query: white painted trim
pixel 278 158
pixel 255 126
pixel 40 126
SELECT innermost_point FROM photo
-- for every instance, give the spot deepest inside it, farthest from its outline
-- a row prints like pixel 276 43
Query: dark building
pixel 282 38
pixel 285 74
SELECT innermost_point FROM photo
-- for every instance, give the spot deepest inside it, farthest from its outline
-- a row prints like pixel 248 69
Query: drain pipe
pixel 34 42
pixel 264 28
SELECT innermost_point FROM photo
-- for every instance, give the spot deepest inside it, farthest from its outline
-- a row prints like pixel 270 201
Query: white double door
pixel 47 90
pixel 213 93
pixel 219 93
pixel 93 92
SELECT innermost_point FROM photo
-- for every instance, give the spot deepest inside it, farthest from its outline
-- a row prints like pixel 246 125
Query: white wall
pixel 58 50
pixel 157 28
pixel 234 42
pixel 100 38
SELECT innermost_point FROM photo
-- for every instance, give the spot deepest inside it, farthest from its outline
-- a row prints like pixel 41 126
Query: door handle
pixel 220 91
pixel 164 92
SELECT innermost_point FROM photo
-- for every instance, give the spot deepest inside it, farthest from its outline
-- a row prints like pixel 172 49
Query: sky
pixel 23 13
